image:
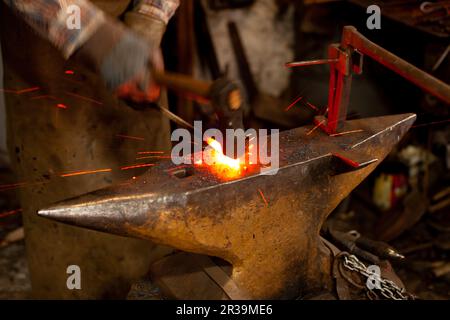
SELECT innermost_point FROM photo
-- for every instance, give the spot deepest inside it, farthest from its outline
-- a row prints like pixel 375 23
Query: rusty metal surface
pixel 273 245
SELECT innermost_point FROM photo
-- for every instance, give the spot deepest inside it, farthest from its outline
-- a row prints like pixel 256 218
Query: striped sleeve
pixel 67 24
pixel 160 9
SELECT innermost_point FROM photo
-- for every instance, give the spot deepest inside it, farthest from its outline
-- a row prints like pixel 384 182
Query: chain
pixel 387 288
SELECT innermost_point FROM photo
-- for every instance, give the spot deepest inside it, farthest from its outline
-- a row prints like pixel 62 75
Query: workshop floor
pixel 15 282
pixel 14 277
pixel 416 271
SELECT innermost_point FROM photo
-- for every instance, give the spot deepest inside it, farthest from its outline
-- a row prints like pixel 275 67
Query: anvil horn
pixel 272 242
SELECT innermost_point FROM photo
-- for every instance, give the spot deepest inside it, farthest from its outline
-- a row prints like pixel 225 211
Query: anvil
pixel 273 245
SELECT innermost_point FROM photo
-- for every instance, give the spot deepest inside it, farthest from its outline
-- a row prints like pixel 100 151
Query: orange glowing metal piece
pixel 219 163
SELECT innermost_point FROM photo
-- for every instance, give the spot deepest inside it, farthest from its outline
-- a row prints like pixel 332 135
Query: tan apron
pixel 72 124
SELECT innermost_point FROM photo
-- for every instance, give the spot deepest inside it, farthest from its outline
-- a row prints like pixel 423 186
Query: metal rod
pixel 172 116
pixel 183 83
pixel 310 63
pixel 352 38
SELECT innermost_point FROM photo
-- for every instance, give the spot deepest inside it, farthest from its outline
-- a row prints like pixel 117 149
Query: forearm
pixel 49 18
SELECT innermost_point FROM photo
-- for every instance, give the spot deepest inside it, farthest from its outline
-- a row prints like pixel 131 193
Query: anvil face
pixel 273 244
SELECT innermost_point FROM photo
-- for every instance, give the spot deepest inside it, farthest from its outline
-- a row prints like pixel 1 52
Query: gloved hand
pixel 124 60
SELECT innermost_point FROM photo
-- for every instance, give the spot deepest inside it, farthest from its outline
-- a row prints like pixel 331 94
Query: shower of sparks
pixel 313 129
pixel 45 96
pixel 430 123
pixel 78 173
pixel 83 98
pixel 264 198
pixel 129 137
pixel 293 103
pixel 345 132
pixel 138 166
pixel 61 106
pixel 9 213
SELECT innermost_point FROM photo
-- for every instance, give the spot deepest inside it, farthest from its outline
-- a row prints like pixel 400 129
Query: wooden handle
pixel 183 83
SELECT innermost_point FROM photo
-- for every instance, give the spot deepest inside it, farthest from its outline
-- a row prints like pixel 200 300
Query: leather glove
pixel 124 60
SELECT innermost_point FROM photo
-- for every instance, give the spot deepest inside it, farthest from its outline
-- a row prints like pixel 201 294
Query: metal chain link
pixel 388 289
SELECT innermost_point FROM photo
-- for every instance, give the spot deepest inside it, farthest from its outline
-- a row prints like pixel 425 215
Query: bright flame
pixel 221 164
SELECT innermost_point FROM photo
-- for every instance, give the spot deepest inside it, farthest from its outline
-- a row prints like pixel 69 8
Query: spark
pixel 5 187
pixel 177 167
pixel 150 152
pixel 430 123
pixel 83 98
pixel 18 185
pixel 138 166
pixel 61 106
pixel 20 91
pixel 345 132
pixel 264 198
pixel 27 90
pixel 313 129
pixel 293 103
pixel 151 157
pixel 313 107
pixel 9 213
pixel 77 173
pixel 129 137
